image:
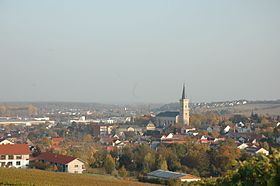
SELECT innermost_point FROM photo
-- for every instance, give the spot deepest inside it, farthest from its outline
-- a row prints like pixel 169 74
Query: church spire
pixel 184 92
pixel 184 116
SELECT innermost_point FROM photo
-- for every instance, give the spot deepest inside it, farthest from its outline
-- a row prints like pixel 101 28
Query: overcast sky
pixel 139 51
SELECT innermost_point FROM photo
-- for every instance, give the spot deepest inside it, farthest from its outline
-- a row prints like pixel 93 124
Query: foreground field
pixel 15 177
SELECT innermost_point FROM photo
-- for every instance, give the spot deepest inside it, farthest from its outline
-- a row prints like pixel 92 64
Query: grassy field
pixel 28 177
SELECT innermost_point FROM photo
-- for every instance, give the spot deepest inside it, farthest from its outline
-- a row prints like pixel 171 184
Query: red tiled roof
pixel 14 149
pixel 109 148
pixel 55 158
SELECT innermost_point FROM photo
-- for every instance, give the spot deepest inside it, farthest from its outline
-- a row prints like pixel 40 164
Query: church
pixel 169 118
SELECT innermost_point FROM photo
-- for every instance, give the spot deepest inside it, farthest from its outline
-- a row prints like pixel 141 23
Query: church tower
pixel 184 117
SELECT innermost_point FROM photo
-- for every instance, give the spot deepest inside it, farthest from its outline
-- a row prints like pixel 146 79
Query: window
pixel 76 165
pixel 9 164
pixel 18 163
pixel 3 157
pixel 18 157
pixel 3 164
pixel 11 157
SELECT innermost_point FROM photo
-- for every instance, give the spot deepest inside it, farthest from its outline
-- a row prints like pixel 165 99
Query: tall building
pixel 170 118
pixel 184 116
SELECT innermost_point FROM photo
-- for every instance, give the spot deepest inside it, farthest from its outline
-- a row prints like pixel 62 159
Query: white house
pixel 226 130
pixel 170 136
pixel 255 150
pixel 130 129
pixel 203 138
pixel 4 142
pixel 243 146
pixel 14 155
pixel 64 163
pixel 150 126
pixel 263 151
pixel 186 130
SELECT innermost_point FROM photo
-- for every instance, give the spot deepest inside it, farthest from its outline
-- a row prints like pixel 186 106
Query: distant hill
pixel 229 107
pixel 14 110
pixel 24 177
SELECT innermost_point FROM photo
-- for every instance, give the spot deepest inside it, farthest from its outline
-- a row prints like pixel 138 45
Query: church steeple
pixel 184 92
pixel 184 116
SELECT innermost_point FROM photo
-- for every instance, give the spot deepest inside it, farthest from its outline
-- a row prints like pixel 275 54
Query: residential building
pixel 102 129
pixel 14 155
pixel 187 129
pixel 226 129
pixel 129 128
pixel 63 163
pixel 256 150
pixel 242 146
pixel 150 126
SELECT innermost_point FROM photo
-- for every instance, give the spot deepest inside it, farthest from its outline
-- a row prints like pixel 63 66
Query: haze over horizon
pixel 139 51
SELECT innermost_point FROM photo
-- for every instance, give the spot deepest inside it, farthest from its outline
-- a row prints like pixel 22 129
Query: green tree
pixel 123 172
pixel 239 118
pixel 144 158
pixel 197 158
pixel 149 161
pixel 259 170
pixel 173 154
pixel 224 158
pixel 87 138
pixel 127 159
pixel 215 134
pixel 99 158
pixel 163 165
pixel 109 164
pixel 89 155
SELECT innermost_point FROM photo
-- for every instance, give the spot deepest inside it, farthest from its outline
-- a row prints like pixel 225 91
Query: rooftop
pixel 169 174
pixel 168 114
pixel 14 149
pixel 55 158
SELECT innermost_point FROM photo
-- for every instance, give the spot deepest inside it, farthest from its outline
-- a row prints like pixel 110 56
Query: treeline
pixel 137 160
pixel 259 170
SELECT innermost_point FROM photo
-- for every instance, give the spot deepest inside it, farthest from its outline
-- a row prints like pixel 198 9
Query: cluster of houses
pixel 253 149
pixel 19 156
pixel 149 136
pixel 15 154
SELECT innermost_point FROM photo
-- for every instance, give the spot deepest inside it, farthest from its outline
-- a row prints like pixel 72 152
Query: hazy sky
pixel 139 51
